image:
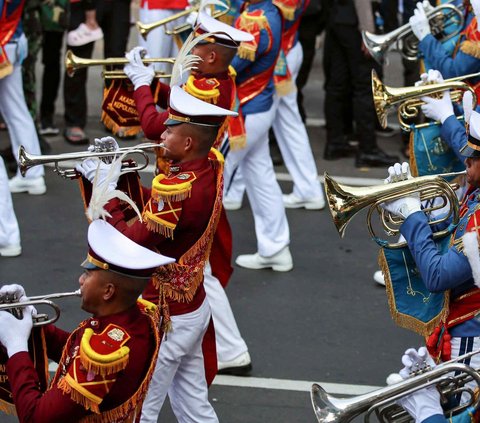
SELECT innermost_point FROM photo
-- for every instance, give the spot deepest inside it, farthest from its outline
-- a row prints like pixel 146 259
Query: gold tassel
pixel 6 69
pixel 157 226
pixel 238 142
pixel 7 408
pixel 284 87
pixel 411 154
pixel 77 396
pixel 288 13
pixel 472 48
pixel 247 51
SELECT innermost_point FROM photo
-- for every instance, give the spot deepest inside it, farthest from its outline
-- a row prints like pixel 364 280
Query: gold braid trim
pixel 472 48
pixel 78 394
pixel 7 408
pixel 209 96
pixel 248 21
pixel 194 272
pixel 404 320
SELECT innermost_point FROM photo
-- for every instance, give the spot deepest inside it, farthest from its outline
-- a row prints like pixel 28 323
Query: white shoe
pixel 378 277
pixel 280 262
pixel 239 366
pixel 291 201
pixel 13 250
pixel 231 204
pixel 34 186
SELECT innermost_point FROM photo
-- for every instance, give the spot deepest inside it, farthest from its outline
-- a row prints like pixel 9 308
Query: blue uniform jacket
pixel 247 69
pixel 441 60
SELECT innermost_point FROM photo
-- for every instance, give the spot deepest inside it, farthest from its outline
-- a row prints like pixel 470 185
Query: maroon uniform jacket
pixel 123 391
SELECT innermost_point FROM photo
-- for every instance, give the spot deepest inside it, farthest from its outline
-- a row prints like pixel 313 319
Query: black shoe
pixel 334 152
pixel 375 158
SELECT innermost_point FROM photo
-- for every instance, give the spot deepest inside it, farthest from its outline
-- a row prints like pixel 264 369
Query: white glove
pixel 419 23
pixel 105 173
pixel 14 333
pixel 476 7
pixel 136 71
pixel 13 292
pixel 104 144
pixel 398 172
pixel 427 6
pixel 425 402
pixel 438 109
pixel 434 76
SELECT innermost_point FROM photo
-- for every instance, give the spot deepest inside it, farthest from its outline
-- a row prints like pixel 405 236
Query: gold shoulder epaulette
pixel 216 155
pixel 105 353
pixel 472 48
pixel 174 188
pixel 251 22
pixel 231 71
pixel 205 89
pixel 146 307
pixel 287 8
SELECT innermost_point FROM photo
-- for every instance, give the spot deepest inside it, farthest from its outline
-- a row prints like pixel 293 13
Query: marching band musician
pixel 106 363
pixel 289 130
pixel 212 81
pixel 466 56
pixel 456 270
pixel 254 63
pixel 180 217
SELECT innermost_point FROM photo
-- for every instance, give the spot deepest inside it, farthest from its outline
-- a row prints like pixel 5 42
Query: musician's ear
pixel 109 291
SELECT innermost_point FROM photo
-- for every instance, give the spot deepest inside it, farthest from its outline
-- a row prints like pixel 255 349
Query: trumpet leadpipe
pixel 74 63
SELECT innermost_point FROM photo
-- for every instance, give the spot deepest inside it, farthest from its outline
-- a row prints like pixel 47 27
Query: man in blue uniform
pixel 254 63
pixel 456 269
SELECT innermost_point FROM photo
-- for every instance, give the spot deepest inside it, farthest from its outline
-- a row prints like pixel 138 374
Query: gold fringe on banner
pixel 284 87
pixel 237 143
pixel 403 320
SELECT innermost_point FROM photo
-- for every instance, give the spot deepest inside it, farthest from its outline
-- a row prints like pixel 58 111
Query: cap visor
pixel 170 122
pixel 89 266
pixel 467 151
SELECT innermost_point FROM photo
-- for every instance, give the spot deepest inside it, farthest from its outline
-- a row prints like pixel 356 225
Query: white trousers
pixel 229 342
pixel 264 194
pixel 180 371
pixel 159 44
pixel 292 137
pixel 9 231
pixel 21 128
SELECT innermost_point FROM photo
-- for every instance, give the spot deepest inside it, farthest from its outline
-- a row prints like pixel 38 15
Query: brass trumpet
pixel 40 319
pixel 346 201
pixel 440 17
pixel 26 160
pixel 385 97
pixel 144 28
pixel 74 63
pixel 330 409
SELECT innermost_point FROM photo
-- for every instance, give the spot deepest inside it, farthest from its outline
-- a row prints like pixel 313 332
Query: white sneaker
pixel 291 201
pixel 13 250
pixel 239 366
pixel 280 262
pixel 378 277
pixel 231 204
pixel 34 186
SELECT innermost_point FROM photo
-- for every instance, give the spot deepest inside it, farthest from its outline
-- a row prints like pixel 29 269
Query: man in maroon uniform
pixel 179 218
pixel 105 365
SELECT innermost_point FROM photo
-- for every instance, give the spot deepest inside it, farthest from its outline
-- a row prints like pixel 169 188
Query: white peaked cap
pixel 109 249
pixel 209 24
pixel 185 108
